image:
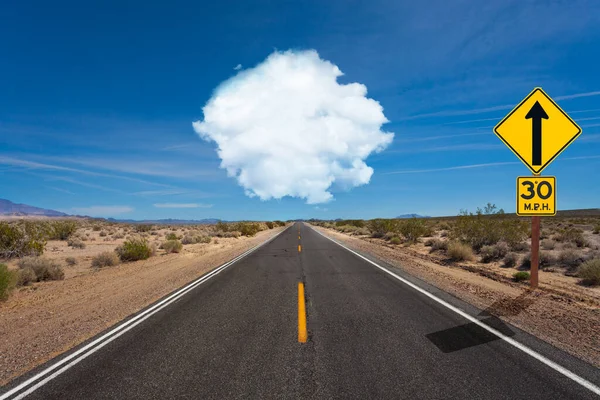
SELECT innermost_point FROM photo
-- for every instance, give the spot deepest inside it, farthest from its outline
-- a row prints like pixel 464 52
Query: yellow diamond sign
pixel 537 130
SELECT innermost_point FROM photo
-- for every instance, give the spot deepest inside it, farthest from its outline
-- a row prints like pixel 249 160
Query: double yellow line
pixel 302 331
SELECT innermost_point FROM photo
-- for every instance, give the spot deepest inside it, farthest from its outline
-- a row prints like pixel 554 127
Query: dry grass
pixel 105 259
pixel 458 251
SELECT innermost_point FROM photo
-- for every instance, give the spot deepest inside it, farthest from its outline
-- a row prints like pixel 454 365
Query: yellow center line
pixel 302 332
pixel 299 248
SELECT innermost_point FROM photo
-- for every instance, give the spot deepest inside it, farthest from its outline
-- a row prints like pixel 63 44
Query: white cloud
pixel 238 67
pixel 288 128
pixel 182 205
pixel 102 211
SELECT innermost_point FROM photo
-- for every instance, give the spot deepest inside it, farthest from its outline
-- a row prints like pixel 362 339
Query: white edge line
pixel 558 368
pixel 124 327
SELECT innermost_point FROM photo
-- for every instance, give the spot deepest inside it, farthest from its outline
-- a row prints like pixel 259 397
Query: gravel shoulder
pixel 562 315
pixel 41 321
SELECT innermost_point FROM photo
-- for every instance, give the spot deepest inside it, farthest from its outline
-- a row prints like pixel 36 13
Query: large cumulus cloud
pixel 287 128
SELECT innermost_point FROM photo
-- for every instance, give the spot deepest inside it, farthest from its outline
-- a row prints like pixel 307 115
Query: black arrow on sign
pixel 536 114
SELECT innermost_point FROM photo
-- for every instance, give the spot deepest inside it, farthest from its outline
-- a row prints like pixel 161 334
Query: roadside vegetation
pixel 41 250
pixel 489 238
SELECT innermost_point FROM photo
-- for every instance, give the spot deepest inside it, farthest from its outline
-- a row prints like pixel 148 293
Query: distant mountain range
pixel 7 207
pixel 412 216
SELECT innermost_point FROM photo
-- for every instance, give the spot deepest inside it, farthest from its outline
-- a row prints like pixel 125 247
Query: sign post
pixel 535 250
pixel 537 130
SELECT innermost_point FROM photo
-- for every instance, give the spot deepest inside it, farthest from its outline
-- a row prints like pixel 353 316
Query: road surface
pixel 370 336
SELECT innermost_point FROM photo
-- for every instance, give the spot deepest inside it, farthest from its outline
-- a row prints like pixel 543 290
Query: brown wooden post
pixel 535 250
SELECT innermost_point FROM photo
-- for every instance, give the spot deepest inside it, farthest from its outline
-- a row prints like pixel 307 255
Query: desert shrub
pixel 519 246
pixel 545 260
pixel 172 246
pixel 140 228
pixel 105 259
pixel 444 226
pixel 413 228
pixel 388 236
pixel 570 259
pixel 103 234
pixel 216 241
pixel 487 227
pixel 204 239
pixel 571 235
pixel 187 239
pixel 96 228
pixel 361 232
pixel 438 244
pixel 247 228
pixel 23 239
pixel 26 276
pixel 494 252
pixel 347 228
pixel 71 261
pixel 61 230
pixel 359 223
pixel 134 249
pixel 521 276
pixel 171 236
pixel 460 251
pixel 43 268
pixel 548 244
pixel 589 272
pixel 76 243
pixel 379 227
pixel 279 223
pixel 270 225
pixel 232 234
pixel 395 240
pixel 221 226
pixel 510 260
pixel 596 230
pixel 8 280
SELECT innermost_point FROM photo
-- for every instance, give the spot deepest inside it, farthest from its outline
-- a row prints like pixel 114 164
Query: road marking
pixel 302 333
pixel 557 367
pixel 299 248
pixel 105 339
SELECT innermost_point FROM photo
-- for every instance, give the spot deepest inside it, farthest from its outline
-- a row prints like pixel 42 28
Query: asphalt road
pixel 371 336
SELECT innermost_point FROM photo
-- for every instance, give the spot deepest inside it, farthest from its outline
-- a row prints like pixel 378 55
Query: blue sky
pixel 97 101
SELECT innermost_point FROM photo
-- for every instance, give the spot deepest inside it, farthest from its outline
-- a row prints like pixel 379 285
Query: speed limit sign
pixel 536 195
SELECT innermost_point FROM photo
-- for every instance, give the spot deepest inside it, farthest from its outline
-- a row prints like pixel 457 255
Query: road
pixel 370 336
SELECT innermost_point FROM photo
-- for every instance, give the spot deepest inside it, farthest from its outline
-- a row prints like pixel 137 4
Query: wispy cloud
pixel 451 113
pixel 166 192
pixel 102 211
pixel 238 67
pixel 456 147
pixel 439 137
pixel 84 184
pixel 473 120
pixel 182 205
pixel 60 190
pixel 165 168
pixel 419 171
pixel 471 166
pixel 34 165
